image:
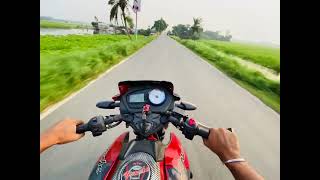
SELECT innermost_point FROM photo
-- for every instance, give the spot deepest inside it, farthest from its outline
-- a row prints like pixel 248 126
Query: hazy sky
pixel 252 20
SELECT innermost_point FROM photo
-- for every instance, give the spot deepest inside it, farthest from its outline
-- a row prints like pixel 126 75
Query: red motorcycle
pixel 147 107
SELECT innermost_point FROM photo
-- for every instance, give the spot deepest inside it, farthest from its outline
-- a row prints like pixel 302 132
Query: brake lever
pixel 108 120
pixel 177 119
pixel 186 106
pixel 112 118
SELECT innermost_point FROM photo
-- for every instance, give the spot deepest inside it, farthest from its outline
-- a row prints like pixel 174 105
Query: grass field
pixel 265 89
pixel 62 25
pixel 265 56
pixel 68 63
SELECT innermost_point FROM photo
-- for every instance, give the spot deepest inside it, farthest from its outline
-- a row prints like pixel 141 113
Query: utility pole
pixel 136 8
pixel 136 25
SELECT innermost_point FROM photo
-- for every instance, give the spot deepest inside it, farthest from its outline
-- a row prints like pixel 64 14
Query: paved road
pixel 221 103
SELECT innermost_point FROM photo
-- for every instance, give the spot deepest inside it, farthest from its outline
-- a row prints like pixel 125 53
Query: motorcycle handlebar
pixel 189 129
pixel 203 131
pixel 82 128
pixel 98 124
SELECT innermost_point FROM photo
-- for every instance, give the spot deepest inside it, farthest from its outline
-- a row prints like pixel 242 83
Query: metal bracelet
pixel 235 160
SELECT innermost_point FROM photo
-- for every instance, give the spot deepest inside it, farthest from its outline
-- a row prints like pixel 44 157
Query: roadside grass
pixel 57 45
pixel 265 56
pixel 62 25
pixel 68 63
pixel 270 99
pixel 268 91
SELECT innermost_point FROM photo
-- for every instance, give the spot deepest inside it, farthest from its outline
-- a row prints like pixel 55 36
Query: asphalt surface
pixel 220 101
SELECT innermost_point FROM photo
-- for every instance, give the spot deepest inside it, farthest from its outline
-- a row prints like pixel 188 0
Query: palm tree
pixel 96 18
pixel 196 28
pixel 123 5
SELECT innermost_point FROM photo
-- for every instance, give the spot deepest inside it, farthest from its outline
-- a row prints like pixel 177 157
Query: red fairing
pixel 162 170
pixel 175 150
pixel 113 154
pixel 176 159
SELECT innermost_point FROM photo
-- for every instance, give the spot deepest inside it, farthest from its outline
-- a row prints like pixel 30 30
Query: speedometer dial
pixel 156 96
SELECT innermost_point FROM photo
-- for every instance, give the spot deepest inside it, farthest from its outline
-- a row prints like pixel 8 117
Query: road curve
pixel 220 101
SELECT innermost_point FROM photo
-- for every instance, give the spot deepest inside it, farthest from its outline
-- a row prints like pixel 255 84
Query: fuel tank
pixel 143 160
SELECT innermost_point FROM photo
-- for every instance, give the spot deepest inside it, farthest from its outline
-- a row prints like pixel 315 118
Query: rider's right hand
pixel 224 143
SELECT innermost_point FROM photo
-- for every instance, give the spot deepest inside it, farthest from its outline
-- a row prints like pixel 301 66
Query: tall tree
pixel 196 28
pixel 123 6
pixel 182 31
pixel 160 25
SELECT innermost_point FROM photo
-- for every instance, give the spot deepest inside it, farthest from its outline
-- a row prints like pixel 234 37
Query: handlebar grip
pixel 82 128
pixel 203 131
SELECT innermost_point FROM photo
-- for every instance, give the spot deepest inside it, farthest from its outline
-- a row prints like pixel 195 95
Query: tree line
pixel 158 26
pixel 186 31
pixel 121 7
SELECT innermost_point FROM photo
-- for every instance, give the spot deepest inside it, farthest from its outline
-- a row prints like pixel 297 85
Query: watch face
pixel 156 96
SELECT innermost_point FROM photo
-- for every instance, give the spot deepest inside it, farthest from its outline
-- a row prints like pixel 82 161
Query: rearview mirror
pixel 186 106
pixel 107 104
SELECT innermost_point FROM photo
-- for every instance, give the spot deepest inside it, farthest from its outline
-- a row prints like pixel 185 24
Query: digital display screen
pixel 136 98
